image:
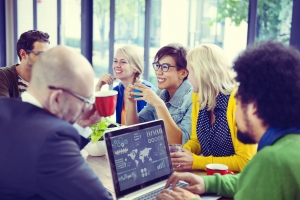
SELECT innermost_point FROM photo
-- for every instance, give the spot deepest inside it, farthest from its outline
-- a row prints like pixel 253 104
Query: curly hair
pixel 269 76
pixel 27 39
pixel 177 52
pixel 212 72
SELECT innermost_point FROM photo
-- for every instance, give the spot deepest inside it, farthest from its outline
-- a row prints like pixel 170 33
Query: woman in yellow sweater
pixel 214 132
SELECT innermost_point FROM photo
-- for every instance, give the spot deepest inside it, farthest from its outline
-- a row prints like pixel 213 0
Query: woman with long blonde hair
pixel 128 67
pixel 214 132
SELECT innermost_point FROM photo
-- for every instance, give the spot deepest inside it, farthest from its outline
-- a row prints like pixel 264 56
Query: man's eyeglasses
pixel 90 100
pixel 164 67
pixel 37 53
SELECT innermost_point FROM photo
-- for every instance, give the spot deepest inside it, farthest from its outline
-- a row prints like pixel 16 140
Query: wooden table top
pixel 100 165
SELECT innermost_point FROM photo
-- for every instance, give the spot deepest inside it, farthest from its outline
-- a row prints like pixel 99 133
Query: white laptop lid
pixel 138 155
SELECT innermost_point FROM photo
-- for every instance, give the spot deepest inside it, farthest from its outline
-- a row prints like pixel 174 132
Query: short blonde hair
pixel 212 72
pixel 135 59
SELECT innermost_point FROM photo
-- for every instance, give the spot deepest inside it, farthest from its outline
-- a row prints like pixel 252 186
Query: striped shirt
pixel 22 85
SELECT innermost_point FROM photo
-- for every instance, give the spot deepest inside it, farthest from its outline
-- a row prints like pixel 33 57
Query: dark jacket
pixel 40 156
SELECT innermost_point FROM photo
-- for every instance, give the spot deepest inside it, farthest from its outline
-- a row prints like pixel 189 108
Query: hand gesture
pixel 177 194
pixel 89 118
pixel 127 93
pixel 104 79
pixel 182 161
pixel 196 182
pixel 146 94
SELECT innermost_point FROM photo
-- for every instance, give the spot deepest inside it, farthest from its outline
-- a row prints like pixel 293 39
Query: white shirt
pixel 29 98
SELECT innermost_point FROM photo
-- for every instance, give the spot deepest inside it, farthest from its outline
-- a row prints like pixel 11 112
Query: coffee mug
pixel 136 90
pixel 175 147
pixel 106 102
pixel 217 168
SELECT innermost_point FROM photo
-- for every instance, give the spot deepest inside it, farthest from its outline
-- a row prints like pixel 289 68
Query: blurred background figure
pixel 15 79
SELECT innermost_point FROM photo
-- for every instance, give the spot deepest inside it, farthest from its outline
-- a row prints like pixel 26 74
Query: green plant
pixel 99 128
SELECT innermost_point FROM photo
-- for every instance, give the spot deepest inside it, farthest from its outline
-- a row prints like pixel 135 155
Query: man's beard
pixel 245 137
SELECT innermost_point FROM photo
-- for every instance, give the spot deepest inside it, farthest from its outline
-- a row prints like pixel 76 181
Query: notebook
pixel 139 159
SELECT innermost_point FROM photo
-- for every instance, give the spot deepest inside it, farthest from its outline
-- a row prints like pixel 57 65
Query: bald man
pixel 40 148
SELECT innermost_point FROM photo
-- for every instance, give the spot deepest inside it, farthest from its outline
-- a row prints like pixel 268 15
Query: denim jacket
pixel 180 107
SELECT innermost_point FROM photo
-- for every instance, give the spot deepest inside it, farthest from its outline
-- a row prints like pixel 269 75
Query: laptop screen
pixel 139 156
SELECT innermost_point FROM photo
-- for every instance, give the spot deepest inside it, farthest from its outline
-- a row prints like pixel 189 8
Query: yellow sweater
pixel 243 152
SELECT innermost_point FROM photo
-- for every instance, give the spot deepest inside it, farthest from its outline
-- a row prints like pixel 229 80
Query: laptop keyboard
pixel 154 193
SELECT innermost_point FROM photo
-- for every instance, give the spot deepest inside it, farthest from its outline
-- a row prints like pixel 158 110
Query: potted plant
pixel 96 147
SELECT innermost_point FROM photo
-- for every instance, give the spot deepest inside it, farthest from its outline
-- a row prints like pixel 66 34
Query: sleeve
pixel 62 172
pixel 186 123
pixel 243 152
pixel 4 87
pixel 193 144
pixel 221 185
pixel 270 176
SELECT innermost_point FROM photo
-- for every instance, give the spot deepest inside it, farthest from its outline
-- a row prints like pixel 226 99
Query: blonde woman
pixel 128 67
pixel 214 132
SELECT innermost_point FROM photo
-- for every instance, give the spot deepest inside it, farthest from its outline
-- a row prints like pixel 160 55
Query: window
pixel 25 16
pixel 47 19
pixel 71 14
pixel 274 20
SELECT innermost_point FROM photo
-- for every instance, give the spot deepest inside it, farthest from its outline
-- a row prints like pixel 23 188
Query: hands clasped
pixel 145 93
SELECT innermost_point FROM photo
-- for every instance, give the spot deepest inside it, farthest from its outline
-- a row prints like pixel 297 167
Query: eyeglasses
pixel 164 67
pixel 90 100
pixel 37 53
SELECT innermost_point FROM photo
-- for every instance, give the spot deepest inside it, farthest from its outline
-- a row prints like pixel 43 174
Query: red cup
pixel 217 168
pixel 106 102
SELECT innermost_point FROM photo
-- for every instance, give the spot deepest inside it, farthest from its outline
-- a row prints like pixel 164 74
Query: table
pixel 101 168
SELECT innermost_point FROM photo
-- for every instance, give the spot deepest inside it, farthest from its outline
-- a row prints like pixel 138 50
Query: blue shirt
pixel 180 108
pixel 140 104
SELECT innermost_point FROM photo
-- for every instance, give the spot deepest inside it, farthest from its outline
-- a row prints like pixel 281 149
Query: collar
pixel 273 134
pixel 177 99
pixel 29 98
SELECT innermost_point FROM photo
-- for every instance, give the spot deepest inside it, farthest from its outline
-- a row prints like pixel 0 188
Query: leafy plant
pixel 99 128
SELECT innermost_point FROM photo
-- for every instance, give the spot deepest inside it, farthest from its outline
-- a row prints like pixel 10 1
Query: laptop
pixel 139 159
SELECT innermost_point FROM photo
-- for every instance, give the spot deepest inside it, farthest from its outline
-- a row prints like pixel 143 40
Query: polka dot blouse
pixel 215 139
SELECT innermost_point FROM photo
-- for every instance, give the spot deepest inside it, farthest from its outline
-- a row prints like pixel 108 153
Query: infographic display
pixel 140 156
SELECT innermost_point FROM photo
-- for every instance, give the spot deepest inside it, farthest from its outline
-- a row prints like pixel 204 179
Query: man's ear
pixel 23 54
pixel 252 108
pixel 56 102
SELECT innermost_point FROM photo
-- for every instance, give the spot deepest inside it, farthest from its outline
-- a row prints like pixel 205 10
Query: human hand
pixel 127 93
pixel 196 182
pixel 182 161
pixel 177 194
pixel 146 94
pixel 104 79
pixel 89 118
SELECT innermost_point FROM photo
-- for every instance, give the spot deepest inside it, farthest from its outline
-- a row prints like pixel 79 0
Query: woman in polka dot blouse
pixel 214 132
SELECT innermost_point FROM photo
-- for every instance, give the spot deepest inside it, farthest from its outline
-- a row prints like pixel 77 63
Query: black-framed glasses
pixel 37 53
pixel 164 67
pixel 90 100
